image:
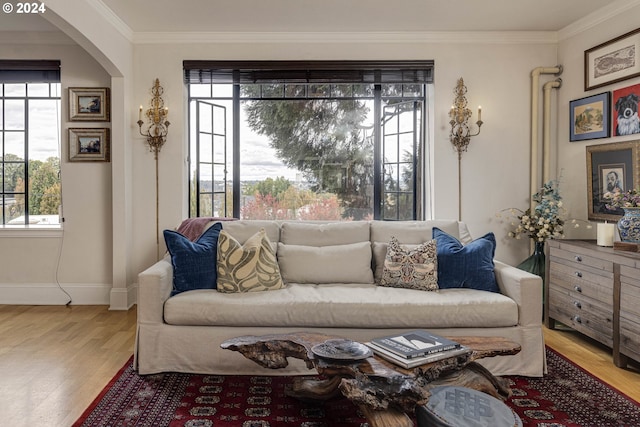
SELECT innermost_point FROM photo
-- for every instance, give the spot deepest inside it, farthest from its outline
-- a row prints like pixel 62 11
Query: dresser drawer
pixel 579 258
pixel 583 314
pixel 629 295
pixel 630 338
pixel 581 281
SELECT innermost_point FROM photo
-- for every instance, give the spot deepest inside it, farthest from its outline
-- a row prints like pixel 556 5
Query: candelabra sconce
pixel 460 132
pixel 156 135
pixel 157 113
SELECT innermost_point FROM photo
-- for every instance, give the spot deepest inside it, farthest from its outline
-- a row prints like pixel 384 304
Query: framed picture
pixel 625 110
pixel 610 167
pixel 89 145
pixel 589 117
pixel 612 61
pixel 89 104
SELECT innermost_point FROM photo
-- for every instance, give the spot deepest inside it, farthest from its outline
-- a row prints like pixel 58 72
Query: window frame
pixel 323 72
pixel 18 72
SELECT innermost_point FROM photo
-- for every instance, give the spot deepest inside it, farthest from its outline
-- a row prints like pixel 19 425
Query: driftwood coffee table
pixel 384 392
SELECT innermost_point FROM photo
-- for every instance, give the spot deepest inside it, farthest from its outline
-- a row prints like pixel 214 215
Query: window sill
pixel 34 231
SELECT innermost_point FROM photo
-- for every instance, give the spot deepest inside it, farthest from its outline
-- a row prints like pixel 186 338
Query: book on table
pixel 416 361
pixel 416 343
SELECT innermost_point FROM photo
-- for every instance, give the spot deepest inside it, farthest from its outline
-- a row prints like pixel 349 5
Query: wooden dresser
pixel 596 291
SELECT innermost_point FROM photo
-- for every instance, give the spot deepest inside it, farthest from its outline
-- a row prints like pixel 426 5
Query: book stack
pixel 415 348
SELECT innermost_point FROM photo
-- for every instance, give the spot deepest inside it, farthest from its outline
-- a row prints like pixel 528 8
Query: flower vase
pixel 629 225
pixel 536 262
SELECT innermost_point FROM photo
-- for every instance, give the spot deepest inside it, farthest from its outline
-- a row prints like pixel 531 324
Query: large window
pixel 308 140
pixel 30 143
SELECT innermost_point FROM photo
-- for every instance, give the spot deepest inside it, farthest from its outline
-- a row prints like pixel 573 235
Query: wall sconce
pixel 460 133
pixel 156 133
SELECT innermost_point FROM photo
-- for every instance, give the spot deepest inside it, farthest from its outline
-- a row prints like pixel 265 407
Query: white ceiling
pixel 350 15
pixel 337 15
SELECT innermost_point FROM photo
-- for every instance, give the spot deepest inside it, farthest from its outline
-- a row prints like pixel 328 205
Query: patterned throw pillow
pixel 250 267
pixel 411 268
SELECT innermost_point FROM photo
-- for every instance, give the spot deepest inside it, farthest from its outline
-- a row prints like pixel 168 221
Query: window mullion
pixel 378 184
pixel 236 151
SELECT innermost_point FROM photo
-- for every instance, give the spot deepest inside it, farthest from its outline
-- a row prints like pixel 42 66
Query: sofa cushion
pixel 327 264
pixel 324 234
pixel 194 263
pixel 415 268
pixel 247 268
pixel 242 230
pixel 466 266
pixel 352 306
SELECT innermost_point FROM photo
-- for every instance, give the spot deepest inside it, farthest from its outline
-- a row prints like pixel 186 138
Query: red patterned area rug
pixel 567 397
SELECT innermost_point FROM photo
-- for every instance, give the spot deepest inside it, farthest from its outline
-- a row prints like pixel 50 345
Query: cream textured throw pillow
pixel 247 268
pixel 415 268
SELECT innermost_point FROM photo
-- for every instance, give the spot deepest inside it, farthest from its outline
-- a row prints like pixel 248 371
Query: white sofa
pixel 183 332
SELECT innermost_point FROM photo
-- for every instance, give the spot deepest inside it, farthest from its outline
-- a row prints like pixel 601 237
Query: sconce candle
pixel 479 113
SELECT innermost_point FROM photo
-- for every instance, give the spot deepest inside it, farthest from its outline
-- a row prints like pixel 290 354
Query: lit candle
pixel 479 113
pixel 605 234
pixel 140 113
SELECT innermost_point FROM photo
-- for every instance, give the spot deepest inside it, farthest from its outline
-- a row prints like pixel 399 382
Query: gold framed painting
pixel 89 104
pixel 610 167
pixel 89 145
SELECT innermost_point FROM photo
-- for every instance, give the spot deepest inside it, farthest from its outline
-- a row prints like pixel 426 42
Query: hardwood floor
pixel 55 360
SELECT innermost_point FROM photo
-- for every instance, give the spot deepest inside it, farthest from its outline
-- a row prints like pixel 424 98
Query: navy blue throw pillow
pixel 194 263
pixel 466 266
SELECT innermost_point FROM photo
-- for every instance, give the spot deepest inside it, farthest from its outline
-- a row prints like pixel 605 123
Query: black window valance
pixel 29 71
pixel 347 72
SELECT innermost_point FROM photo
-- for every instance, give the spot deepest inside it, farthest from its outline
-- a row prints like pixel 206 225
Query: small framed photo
pixel 89 145
pixel 612 61
pixel 88 104
pixel 610 167
pixel 589 117
pixel 625 110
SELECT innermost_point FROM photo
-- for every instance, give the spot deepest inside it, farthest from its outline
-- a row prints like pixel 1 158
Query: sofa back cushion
pixel 242 230
pixel 350 263
pixel 324 234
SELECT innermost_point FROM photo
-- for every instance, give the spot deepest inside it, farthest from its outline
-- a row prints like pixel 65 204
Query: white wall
pixel 30 263
pixel 571 156
pixel 495 171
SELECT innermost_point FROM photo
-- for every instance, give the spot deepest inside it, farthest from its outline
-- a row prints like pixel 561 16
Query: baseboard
pixel 52 294
pixel 123 298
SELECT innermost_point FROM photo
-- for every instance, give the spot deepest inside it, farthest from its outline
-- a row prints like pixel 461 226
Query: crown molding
pixel 110 16
pixel 481 37
pixel 607 13
pixel 35 38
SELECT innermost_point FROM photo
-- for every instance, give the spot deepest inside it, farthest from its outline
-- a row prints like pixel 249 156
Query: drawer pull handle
pixel 578 288
pixel 578 319
pixel 578 258
pixel 578 274
pixel 577 304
